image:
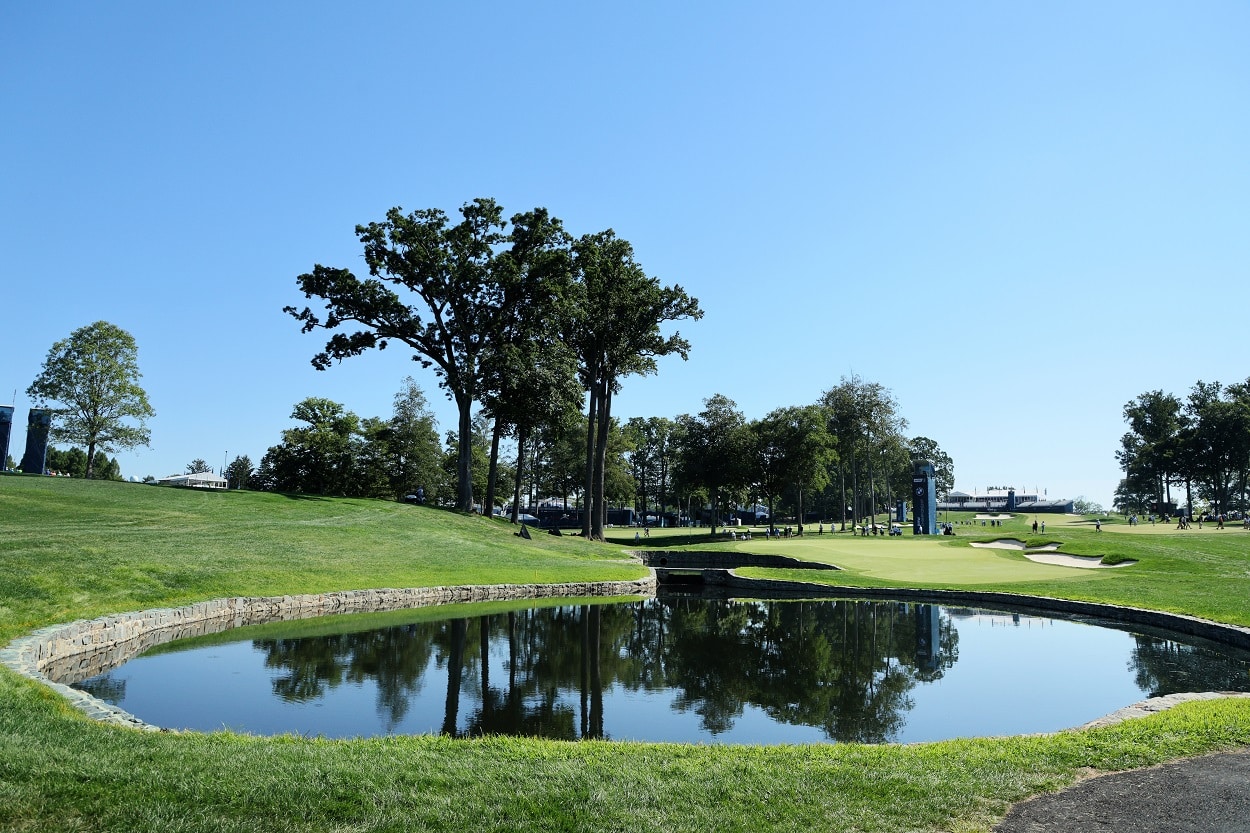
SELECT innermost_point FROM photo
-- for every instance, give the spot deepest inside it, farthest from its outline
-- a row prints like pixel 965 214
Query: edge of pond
pixel 108 641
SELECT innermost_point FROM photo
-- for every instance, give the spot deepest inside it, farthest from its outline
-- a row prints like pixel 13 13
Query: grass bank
pixel 70 550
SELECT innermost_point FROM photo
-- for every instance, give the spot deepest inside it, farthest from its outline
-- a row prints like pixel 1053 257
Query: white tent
pixel 199 480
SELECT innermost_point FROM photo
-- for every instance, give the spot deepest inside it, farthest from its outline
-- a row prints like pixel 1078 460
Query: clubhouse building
pixel 1005 500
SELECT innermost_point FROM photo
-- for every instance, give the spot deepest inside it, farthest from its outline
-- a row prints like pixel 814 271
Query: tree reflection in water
pixel 669 668
pixel 845 667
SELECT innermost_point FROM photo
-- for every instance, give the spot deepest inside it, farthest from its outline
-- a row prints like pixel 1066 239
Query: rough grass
pixel 70 549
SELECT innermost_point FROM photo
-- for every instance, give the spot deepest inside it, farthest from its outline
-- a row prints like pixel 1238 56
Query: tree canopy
pixel 1201 443
pixel 92 377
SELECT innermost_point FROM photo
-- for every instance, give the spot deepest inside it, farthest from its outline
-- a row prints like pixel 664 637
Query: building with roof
pixel 1005 500
pixel 199 480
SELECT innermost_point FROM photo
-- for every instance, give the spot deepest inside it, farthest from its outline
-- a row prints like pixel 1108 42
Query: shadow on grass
pixel 662 541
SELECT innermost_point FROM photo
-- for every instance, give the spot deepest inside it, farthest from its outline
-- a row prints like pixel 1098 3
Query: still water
pixel 668 669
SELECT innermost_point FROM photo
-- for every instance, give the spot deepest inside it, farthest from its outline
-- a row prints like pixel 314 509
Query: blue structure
pixel 6 430
pixel 38 425
pixel 924 499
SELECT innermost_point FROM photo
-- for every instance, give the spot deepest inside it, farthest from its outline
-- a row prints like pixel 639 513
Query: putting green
pixel 924 560
pixel 907 560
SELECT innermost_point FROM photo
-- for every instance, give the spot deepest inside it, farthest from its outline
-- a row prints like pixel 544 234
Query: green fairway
pixel 72 549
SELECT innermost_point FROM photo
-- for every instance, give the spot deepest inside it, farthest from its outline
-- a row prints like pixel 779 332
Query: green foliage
pixel 93 379
pixel 923 448
pixel 714 452
pixel 650 460
pixel 74 463
pixel 467 298
pixel 315 458
pixel 864 418
pixel 338 453
pixel 789 449
pixel 479 464
pixel 239 473
pixel 1202 443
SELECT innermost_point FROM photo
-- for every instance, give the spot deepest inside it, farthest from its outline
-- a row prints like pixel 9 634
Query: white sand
pixel 1047 555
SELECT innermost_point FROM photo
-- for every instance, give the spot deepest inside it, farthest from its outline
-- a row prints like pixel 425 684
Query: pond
pixel 671 668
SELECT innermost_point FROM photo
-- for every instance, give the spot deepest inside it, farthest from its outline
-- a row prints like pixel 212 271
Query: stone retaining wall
pixel 62 654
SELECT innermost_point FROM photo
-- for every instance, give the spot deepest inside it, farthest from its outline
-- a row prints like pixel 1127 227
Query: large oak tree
pixel 441 289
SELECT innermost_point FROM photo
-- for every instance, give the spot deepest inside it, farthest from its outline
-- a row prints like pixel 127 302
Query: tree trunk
pixel 799 489
pixel 520 465
pixel 483 630
pixel 464 455
pixel 715 507
pixel 871 488
pixel 90 460
pixel 663 486
pixel 842 494
pixel 488 503
pixel 642 482
pixel 588 488
pixel 455 670
pixel 855 507
pixel 601 455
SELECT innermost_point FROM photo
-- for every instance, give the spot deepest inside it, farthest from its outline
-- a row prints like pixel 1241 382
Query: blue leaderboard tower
pixel 924 499
pixel 38 424
pixel 6 431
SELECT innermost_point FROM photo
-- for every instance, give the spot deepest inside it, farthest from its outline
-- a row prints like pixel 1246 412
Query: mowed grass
pixel 1201 572
pixel 74 549
pixel 70 549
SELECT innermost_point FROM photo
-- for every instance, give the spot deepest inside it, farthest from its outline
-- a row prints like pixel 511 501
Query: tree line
pixel 1200 443
pixel 844 458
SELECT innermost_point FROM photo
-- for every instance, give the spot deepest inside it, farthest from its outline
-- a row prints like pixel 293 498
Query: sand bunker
pixel 999 517
pixel 1047 555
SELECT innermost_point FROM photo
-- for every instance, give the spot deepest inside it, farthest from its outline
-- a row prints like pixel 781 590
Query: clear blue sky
pixel 1016 216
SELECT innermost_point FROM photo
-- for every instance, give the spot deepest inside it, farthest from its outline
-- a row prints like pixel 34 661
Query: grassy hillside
pixel 72 549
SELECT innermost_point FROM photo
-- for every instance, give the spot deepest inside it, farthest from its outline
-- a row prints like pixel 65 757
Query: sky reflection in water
pixel 673 669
